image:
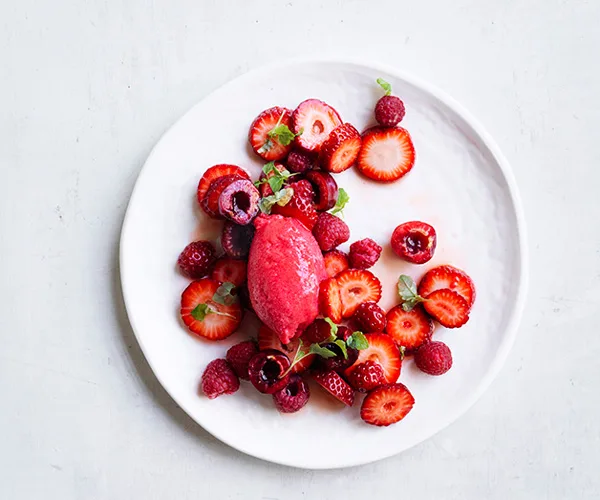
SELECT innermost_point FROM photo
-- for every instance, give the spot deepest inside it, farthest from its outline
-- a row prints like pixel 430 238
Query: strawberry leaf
pixel 341 201
pixel 408 293
pixel 224 296
pixel 357 341
pixel 321 351
pixel 385 86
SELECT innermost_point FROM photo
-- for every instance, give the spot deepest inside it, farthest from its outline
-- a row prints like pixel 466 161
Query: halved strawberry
pixel 387 405
pixel 409 329
pixel 335 385
pixel 340 149
pixel 336 261
pixel 268 339
pixel 270 135
pixel 447 307
pixel 301 206
pixel 210 202
pixel 330 302
pixel 205 317
pixel 386 154
pixel 448 277
pixel 383 350
pixel 230 270
pixel 357 286
pixel 312 122
pixel 214 173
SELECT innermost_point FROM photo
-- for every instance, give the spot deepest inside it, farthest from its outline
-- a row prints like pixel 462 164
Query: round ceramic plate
pixel 461 184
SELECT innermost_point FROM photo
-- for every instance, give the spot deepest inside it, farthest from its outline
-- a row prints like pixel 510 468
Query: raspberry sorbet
pixel 285 269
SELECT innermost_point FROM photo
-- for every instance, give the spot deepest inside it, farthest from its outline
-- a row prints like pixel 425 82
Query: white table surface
pixel 87 88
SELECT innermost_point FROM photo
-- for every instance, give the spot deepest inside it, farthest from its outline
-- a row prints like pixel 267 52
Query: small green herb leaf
pixel 282 134
pixel 334 328
pixel 385 86
pixel 280 198
pixel 342 199
pixel 357 341
pixel 224 296
pixel 268 167
pixel 321 351
pixel 267 146
pixel 408 293
pixel 342 345
pixel 201 311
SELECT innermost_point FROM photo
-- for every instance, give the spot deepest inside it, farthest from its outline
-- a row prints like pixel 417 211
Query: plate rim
pixel 513 323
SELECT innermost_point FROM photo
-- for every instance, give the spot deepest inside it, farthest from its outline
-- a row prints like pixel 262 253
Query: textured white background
pixel 86 89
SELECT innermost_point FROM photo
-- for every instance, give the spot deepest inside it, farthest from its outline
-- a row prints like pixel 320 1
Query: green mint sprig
pixel 280 198
pixel 408 293
pixel 280 133
pixel 340 203
pixel 385 86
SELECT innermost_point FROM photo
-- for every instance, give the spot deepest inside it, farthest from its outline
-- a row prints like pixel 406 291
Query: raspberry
pixel 370 317
pixel 219 378
pixel 364 253
pixel 239 356
pixel 299 162
pixel 293 396
pixel 389 111
pixel 366 376
pixel 434 358
pixel 330 231
pixel 197 259
pixel 236 240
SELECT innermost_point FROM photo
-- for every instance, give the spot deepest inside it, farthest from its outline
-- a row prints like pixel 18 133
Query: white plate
pixel 461 184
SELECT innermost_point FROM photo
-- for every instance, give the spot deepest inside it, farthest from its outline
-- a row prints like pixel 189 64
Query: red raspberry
pixel 366 376
pixel 299 162
pixel 293 396
pixel 389 111
pixel 239 355
pixel 219 378
pixel 330 231
pixel 197 259
pixel 364 253
pixel 434 358
pixel 370 317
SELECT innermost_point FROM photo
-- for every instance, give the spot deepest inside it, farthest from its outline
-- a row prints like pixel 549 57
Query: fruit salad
pixel 278 258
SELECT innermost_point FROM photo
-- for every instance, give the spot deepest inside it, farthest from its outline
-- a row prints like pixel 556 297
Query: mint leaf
pixel 274 177
pixel 224 296
pixel 267 146
pixel 357 341
pixel 385 86
pixel 334 328
pixel 282 134
pixel 321 351
pixel 408 293
pixel 268 167
pixel 341 201
pixel 280 198
pixel 276 182
pixel 201 311
pixel 342 345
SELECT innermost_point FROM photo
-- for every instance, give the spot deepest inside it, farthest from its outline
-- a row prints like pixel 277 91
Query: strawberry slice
pixel 409 329
pixel 214 173
pixel 447 307
pixel 336 386
pixel 301 206
pixel 268 339
pixel 448 277
pixel 312 122
pixel 210 202
pixel 387 405
pixel 270 135
pixel 386 154
pixel 336 261
pixel 205 317
pixel 357 286
pixel 330 301
pixel 228 270
pixel 340 150
pixel 383 350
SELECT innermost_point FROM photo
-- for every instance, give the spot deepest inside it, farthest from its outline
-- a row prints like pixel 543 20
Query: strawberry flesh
pixel 312 122
pixel 387 405
pixel 335 385
pixel 448 308
pixel 383 350
pixel 357 286
pixel 340 150
pixel 386 154
pixel 269 148
pixel 448 277
pixel 409 329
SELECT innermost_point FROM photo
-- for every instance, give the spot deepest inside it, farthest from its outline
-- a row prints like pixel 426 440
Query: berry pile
pixel 353 346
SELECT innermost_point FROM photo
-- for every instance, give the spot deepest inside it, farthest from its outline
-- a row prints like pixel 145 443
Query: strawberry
pixel 312 122
pixel 357 286
pixel 270 135
pixel 205 316
pixel 210 202
pixel 214 173
pixel 387 405
pixel 340 149
pixel 448 277
pixel 336 261
pixel 386 154
pixel 228 270
pixel 301 206
pixel 409 329
pixel 330 301
pixel 335 385
pixel 268 339
pixel 447 307
pixel 366 376
pixel 384 351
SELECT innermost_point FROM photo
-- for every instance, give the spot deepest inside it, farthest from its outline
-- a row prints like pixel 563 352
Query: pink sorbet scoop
pixel 285 269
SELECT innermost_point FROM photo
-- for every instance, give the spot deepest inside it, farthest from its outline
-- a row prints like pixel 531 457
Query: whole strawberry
pixel 366 376
pixel 239 355
pixel 219 378
pixel 330 231
pixel 434 358
pixel 197 259
pixel 364 253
